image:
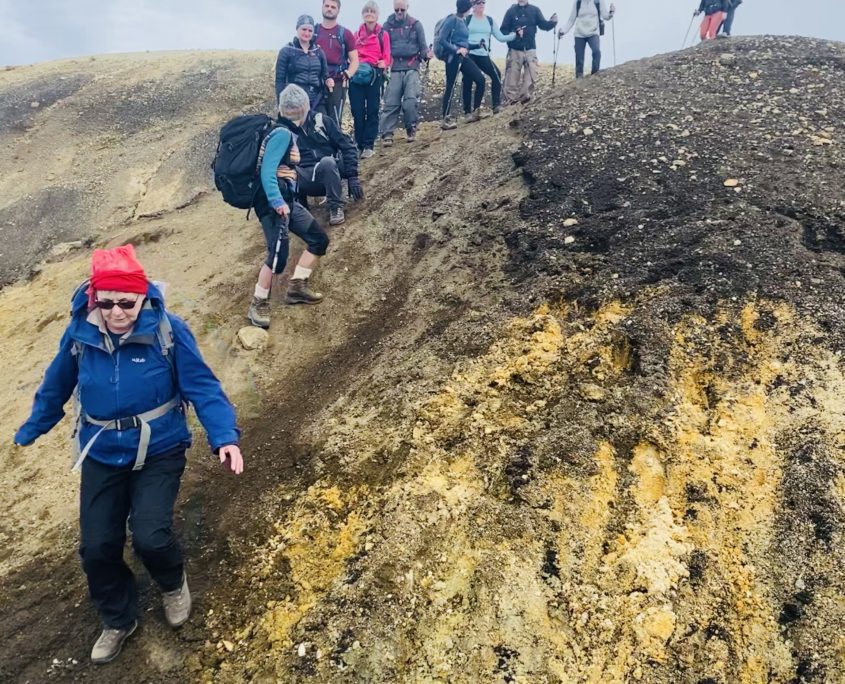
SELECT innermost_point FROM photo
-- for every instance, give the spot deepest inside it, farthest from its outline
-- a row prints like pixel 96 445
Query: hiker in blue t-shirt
pixel 482 30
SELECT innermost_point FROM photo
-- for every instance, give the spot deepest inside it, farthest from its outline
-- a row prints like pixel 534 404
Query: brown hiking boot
pixel 448 124
pixel 387 140
pixel 259 313
pixel 177 604
pixel 108 646
pixel 300 293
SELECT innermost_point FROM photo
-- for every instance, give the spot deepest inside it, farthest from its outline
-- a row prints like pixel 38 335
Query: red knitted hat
pixel 118 270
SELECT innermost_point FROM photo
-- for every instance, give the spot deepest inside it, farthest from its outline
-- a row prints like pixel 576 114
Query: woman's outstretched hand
pixel 232 457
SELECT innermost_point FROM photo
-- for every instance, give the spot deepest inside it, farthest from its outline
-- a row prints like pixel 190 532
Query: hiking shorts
pixel 301 224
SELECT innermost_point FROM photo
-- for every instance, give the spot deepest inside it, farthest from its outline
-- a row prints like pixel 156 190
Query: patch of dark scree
pixel 639 157
pixel 21 104
pixel 33 224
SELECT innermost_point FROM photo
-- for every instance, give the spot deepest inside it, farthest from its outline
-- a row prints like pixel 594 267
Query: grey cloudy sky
pixel 40 30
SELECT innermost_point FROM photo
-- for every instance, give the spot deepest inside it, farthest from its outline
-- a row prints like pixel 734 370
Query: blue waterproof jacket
pixel 136 378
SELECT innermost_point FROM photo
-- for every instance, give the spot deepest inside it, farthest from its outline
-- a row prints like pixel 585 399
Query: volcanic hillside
pixel 571 412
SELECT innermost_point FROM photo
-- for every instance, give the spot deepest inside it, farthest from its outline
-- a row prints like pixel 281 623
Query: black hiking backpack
pixel 598 11
pixel 237 163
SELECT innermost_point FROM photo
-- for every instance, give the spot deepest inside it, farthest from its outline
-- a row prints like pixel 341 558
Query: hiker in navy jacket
pixel 454 43
pixel 134 367
pixel 303 63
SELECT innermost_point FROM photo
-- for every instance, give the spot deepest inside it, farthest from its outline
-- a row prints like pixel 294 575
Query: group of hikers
pixel 133 367
pixel 378 66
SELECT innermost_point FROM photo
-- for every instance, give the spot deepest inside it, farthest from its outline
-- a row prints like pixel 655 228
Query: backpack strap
pixel 166 341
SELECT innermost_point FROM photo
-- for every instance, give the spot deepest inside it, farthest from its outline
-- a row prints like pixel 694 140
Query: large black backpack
pixel 237 163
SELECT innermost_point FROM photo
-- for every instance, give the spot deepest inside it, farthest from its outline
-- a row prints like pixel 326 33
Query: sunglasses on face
pixel 108 304
pixel 400 11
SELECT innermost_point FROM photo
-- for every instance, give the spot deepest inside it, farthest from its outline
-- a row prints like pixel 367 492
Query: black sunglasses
pixel 108 304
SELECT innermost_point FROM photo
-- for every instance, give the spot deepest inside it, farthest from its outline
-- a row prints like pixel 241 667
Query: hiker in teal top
pixel 482 28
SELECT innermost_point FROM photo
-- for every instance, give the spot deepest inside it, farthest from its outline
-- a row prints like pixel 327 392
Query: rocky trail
pixel 571 412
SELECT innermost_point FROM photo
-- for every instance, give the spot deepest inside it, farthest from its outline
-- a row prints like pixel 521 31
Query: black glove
pixel 356 192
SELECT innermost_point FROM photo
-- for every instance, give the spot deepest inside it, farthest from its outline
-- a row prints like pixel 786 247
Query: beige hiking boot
pixel 259 313
pixel 177 604
pixel 108 646
pixel 300 293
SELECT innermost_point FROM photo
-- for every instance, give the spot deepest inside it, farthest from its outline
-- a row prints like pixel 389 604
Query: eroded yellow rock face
pixel 629 563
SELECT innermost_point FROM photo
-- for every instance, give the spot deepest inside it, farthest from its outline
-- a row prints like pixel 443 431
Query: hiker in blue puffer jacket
pixel 134 366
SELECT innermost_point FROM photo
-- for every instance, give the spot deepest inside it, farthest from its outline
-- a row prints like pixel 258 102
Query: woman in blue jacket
pixel 454 44
pixel 134 368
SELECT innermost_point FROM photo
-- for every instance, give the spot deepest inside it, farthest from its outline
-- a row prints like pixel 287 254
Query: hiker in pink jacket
pixel 373 45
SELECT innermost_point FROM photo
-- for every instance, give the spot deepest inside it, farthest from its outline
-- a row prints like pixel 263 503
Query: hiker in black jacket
pixel 521 65
pixel 303 63
pixel 319 172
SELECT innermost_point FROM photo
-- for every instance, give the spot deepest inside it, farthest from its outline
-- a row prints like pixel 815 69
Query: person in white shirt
pixel 588 18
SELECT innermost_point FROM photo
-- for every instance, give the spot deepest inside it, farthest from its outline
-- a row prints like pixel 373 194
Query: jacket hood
pixel 81 329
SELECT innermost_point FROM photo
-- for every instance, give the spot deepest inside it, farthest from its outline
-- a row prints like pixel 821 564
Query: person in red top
pixel 373 44
pixel 338 43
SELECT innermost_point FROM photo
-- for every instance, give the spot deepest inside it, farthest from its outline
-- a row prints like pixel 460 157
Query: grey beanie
pixel 305 20
pixel 294 103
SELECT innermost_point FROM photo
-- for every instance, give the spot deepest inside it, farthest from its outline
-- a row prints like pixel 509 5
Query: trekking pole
pixel 454 88
pixel 284 226
pixel 556 53
pixel 613 35
pixel 691 21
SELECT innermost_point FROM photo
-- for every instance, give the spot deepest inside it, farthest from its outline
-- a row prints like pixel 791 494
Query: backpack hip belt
pixel 142 421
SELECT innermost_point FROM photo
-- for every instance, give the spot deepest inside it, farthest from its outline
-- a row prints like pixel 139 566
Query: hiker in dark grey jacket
pixel 521 65
pixel 303 63
pixel 588 17
pixel 319 171
pixel 408 51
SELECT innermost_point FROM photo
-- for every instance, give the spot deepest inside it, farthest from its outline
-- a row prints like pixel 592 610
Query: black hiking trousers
pixel 486 65
pixel 322 179
pixel 108 496
pixel 470 72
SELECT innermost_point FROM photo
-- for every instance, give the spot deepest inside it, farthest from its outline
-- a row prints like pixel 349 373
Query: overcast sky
pixel 65 28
